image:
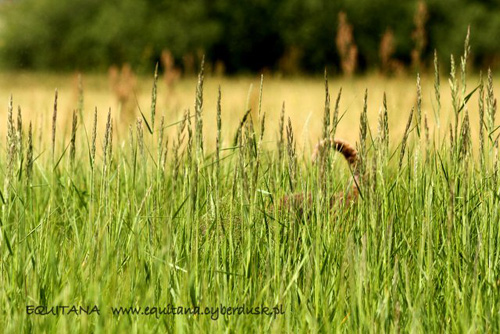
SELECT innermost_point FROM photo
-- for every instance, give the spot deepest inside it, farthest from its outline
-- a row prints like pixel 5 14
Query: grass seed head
pixel 29 154
pixel 452 140
pixel 437 84
pixel 131 138
pixel 153 97
pixel 262 127
pixel 427 139
pixel 73 137
pixel 419 104
pixel 335 119
pixel 160 140
pixel 19 132
pixel 405 138
pixel 490 102
pixel 481 119
pixel 326 118
pixel 385 125
pixel 107 138
pixel 219 128
pixel 110 145
pixel 363 126
pixel 10 125
pixel 190 136
pixel 140 136
pixel 261 90
pixel 281 141
pixel 465 136
pixel 291 150
pixel 199 109
pixel 54 119
pixel 463 63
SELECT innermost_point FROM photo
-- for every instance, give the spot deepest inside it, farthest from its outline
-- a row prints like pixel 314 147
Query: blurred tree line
pixel 245 35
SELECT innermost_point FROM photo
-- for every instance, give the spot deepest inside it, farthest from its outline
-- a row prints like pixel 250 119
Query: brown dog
pixel 350 154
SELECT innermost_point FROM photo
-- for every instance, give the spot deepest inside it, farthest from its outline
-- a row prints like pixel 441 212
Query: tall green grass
pixel 157 221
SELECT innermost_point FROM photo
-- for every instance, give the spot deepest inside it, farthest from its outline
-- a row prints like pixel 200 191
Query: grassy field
pixel 185 215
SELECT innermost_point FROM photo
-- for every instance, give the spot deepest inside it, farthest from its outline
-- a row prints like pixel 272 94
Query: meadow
pixel 173 208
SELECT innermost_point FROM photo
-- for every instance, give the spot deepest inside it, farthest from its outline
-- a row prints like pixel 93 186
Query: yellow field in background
pixel 303 96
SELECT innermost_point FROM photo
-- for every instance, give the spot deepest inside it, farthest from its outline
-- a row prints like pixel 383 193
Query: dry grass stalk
pixel 418 34
pixel 171 73
pixel 387 48
pixel 41 128
pixel 289 63
pixel 123 84
pixel 389 65
pixel 188 62
pixel 219 69
pixel 346 46
pixel 80 94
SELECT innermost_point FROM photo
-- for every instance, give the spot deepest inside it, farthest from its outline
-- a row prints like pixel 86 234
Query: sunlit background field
pixel 303 97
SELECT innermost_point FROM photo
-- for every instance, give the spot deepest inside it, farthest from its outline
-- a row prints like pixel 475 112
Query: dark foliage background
pixel 244 35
